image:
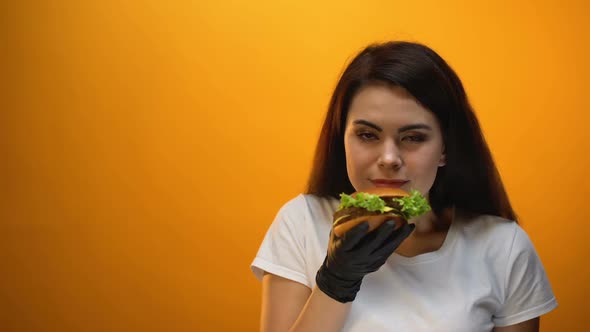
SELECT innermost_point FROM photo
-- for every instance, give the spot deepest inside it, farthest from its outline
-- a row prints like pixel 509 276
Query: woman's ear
pixel 443 160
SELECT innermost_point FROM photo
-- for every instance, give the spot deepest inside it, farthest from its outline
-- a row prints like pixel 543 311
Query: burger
pixel 377 205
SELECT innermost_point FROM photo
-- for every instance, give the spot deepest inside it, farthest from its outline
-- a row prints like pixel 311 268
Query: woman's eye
pixel 414 138
pixel 366 136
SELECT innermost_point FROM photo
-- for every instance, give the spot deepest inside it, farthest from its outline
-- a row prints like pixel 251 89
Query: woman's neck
pixel 429 235
pixel 431 223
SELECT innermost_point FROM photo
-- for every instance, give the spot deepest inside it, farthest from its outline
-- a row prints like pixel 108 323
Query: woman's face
pixel 391 141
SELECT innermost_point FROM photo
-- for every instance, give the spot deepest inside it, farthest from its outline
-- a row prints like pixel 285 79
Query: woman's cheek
pixel 360 157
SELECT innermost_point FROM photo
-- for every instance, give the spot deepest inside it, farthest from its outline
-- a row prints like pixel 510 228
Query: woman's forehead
pixel 382 97
pixel 387 105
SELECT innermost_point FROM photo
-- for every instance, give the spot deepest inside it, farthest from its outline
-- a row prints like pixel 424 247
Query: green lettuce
pixel 411 206
pixel 364 200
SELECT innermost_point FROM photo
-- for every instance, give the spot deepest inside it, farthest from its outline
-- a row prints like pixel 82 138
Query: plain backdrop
pixel 147 145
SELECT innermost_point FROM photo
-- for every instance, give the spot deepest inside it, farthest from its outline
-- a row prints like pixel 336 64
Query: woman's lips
pixel 388 183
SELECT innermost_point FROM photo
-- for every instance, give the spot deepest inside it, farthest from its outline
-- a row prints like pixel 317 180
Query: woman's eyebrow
pixel 368 124
pixel 400 130
pixel 414 126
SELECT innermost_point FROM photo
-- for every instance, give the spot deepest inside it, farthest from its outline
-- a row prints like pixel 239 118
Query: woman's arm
pixel 290 306
pixel 531 325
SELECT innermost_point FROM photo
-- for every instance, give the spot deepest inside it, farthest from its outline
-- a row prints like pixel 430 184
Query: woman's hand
pixel 356 254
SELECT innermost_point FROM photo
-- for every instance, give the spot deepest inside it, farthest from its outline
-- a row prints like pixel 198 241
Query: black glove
pixel 356 254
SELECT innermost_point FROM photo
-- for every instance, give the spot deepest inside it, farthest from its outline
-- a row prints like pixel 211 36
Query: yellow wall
pixel 147 145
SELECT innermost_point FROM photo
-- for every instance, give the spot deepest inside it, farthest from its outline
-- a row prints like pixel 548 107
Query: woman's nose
pixel 390 156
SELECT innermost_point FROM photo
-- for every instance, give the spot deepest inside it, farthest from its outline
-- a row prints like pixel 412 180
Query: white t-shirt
pixel 486 273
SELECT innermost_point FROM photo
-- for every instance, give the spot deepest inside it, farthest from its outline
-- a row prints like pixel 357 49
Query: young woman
pixel 399 117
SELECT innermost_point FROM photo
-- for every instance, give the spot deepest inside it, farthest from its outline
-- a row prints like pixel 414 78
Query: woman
pixel 399 117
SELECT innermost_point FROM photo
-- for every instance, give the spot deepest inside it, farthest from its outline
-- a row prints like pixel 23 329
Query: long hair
pixel 469 181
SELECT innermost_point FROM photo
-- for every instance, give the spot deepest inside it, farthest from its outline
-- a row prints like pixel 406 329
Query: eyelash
pixel 363 136
pixel 418 138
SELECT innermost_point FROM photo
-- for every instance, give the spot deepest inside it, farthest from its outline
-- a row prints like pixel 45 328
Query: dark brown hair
pixel 469 181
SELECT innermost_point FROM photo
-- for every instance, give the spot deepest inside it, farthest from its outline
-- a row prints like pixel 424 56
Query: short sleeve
pixel 282 251
pixel 527 292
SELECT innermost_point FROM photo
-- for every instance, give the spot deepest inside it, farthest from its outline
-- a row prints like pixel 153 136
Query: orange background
pixel 147 145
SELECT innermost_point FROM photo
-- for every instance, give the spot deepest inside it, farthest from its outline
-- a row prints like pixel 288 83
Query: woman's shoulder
pixel 485 223
pixel 309 206
pixel 309 202
pixel 316 202
pixel 492 240
pixel 487 230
